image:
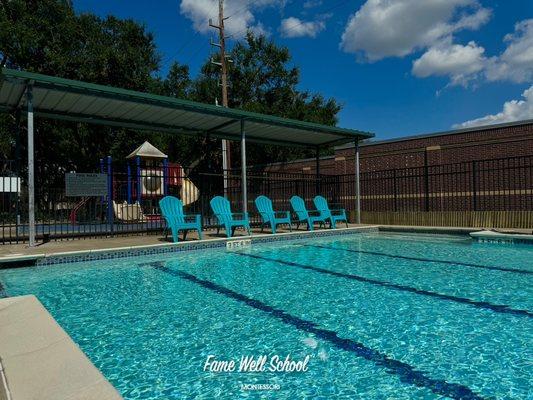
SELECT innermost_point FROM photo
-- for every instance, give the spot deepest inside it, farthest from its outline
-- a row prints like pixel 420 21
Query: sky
pixel 398 67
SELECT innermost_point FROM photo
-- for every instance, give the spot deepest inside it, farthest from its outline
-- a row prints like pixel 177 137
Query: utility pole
pixel 226 160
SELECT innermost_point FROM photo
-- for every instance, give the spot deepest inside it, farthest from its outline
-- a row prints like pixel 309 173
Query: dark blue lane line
pixel 500 308
pixel 375 253
pixel 405 372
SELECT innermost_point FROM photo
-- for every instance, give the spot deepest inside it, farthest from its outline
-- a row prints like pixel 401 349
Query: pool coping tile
pixel 165 248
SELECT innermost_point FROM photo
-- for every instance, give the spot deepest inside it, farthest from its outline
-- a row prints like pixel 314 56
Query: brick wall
pixel 499 141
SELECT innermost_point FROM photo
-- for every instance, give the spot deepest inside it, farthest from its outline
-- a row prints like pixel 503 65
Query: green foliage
pixel 263 80
pixel 47 36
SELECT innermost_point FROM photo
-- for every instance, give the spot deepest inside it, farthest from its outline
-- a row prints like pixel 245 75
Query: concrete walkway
pixel 40 361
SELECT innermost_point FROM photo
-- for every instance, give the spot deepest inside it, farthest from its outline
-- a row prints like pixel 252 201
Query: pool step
pixel 499 237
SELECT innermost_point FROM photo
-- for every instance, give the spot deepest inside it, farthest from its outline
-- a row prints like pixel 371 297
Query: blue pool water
pixel 380 316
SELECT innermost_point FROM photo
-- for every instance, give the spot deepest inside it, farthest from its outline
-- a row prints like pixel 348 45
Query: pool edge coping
pixel 31 333
pixel 169 247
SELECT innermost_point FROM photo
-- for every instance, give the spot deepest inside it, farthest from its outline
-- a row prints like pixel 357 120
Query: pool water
pixel 379 315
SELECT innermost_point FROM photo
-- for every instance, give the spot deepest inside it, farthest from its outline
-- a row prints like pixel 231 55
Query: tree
pixel 47 36
pixel 262 80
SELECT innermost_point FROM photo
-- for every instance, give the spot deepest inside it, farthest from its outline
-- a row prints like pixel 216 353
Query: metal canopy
pixel 86 102
pixel 77 101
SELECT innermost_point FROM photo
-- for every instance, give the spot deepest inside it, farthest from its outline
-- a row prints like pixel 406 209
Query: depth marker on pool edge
pixel 406 372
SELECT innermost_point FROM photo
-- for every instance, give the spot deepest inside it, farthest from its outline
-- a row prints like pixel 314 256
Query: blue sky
pixel 399 67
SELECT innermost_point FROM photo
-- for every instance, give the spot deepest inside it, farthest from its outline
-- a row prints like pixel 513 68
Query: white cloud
pixel 396 28
pixel 466 63
pixel 514 110
pixel 460 63
pixel 241 13
pixel 516 62
pixel 293 27
pixel 312 3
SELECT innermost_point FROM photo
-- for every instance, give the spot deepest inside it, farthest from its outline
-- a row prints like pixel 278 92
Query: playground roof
pixel 147 150
pixel 79 101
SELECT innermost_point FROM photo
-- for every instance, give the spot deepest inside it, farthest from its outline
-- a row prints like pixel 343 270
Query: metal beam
pixel 31 166
pixel 243 169
pixel 337 142
pixel 224 125
pixel 157 127
pixel 357 185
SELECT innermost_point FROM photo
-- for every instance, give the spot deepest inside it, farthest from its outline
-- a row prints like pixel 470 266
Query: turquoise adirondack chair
pixel 302 215
pixel 172 210
pixel 269 216
pixel 222 210
pixel 334 216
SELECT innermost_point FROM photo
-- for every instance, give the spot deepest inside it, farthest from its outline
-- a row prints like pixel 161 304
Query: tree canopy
pixel 48 36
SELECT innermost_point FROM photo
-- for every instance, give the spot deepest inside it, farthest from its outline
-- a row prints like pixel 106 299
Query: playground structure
pixel 133 193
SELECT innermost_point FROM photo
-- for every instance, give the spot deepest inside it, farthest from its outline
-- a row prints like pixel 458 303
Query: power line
pixel 188 42
pixel 200 48
pixel 300 23
pixel 243 8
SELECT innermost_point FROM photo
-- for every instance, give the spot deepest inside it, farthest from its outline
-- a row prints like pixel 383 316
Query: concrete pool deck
pixel 39 360
pixel 20 251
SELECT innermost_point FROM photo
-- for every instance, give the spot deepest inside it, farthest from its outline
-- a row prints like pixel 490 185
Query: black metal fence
pixel 504 184
pixel 132 204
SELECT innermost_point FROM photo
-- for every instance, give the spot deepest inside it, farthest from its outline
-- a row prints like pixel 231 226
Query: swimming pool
pixel 379 315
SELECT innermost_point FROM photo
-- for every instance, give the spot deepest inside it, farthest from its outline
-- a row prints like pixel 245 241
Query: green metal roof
pixel 72 100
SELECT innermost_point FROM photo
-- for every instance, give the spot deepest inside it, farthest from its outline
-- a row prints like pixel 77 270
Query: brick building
pixel 457 146
pixel 480 176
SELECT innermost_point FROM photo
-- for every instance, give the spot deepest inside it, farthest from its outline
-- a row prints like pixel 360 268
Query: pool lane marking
pixel 375 253
pixel 500 308
pixel 406 372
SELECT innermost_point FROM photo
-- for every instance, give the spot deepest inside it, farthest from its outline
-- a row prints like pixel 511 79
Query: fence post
pixel 139 179
pixel 165 176
pixel 31 172
pixel 395 186
pixel 317 162
pixel 18 174
pixel 426 179
pixel 243 169
pixel 357 185
pixel 110 211
pixel 474 186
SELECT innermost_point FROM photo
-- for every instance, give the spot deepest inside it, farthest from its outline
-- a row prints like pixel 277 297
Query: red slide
pixel 79 204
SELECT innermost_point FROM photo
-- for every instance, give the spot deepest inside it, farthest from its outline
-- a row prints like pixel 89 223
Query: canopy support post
pixel 357 185
pixel 317 168
pixel 243 169
pixel 31 167
pixel 225 170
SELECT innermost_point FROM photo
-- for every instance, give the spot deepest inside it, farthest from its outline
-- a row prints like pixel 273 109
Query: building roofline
pixel 371 142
